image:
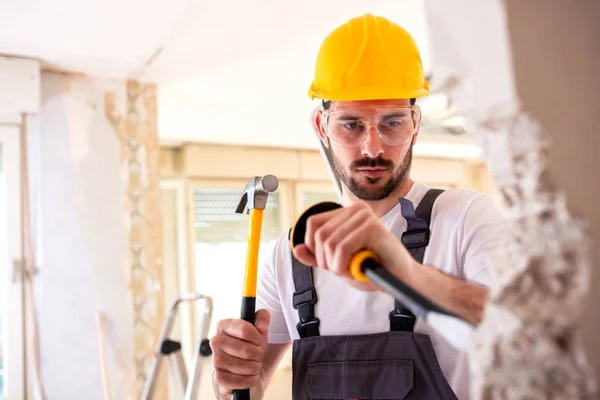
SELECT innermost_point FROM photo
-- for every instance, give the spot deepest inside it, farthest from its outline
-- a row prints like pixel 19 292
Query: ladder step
pixel 169 346
pixel 205 349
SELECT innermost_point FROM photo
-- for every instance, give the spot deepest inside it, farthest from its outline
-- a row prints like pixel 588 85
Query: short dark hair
pixel 327 103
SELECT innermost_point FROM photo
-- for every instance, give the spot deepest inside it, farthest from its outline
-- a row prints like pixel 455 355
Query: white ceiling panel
pixel 228 71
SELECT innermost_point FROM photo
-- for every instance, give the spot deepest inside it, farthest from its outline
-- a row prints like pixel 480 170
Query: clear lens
pixel 394 125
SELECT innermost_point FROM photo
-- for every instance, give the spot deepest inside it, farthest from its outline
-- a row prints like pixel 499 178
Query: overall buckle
pixel 402 320
pixel 309 327
pixel 416 238
pixel 304 302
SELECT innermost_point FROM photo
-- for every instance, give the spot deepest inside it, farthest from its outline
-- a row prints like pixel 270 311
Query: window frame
pixel 311 186
pixel 12 313
pixel 286 204
pixel 178 186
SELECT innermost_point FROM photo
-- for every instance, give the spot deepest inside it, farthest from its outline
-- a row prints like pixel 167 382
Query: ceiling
pixel 227 71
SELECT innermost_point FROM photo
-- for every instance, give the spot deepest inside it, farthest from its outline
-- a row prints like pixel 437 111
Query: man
pixel 352 340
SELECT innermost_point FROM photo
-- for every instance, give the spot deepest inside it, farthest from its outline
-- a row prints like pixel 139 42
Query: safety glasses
pixel 394 125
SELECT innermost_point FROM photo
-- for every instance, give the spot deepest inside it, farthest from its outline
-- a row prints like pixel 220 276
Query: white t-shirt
pixel 464 236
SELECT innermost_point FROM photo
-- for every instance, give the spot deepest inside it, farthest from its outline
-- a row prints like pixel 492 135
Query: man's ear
pixel 318 121
pixel 416 135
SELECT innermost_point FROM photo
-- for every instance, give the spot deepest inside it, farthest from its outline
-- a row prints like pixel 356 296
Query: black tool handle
pixel 248 314
pixel 248 309
pixel 415 301
pixel 241 394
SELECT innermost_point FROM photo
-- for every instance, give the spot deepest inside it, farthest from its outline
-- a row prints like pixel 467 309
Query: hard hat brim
pixel 369 93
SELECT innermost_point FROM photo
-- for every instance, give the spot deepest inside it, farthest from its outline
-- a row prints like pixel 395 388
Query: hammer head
pixel 256 193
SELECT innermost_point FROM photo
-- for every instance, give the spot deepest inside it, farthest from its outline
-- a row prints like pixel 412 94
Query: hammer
pixel 366 266
pixel 253 202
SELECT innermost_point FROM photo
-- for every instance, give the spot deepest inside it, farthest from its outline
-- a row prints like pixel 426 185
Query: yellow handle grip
pixel 356 264
pixel 256 217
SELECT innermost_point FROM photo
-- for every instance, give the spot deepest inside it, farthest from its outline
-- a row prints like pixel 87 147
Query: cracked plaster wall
pixel 94 167
pixel 506 64
pixel 556 51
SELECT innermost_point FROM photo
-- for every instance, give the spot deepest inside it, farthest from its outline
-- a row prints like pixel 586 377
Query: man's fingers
pixel 314 223
pixel 262 320
pixel 320 227
pixel 344 242
pixel 236 365
pixel 229 381
pixel 325 232
pixel 329 234
pixel 238 328
pixel 237 348
pixel 304 255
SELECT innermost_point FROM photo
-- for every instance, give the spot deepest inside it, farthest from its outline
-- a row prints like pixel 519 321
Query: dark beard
pixel 367 192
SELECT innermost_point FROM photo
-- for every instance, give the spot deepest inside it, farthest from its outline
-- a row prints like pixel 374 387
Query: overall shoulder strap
pixel 415 239
pixel 305 297
pixel 426 205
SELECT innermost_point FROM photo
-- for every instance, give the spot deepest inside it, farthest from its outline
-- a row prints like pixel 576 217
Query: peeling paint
pixel 137 133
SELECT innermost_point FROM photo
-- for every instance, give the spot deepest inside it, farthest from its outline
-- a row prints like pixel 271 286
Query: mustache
pixel 368 162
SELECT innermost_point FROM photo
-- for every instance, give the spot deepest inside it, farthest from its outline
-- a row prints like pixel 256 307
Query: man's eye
pixel 394 124
pixel 351 125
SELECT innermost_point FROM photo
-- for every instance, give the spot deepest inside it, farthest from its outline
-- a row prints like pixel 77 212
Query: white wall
pixel 76 165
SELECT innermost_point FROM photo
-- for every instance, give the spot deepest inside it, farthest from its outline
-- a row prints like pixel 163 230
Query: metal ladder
pixel 167 347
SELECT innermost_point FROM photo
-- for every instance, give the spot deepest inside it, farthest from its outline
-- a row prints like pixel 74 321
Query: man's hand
pixel 238 354
pixel 333 237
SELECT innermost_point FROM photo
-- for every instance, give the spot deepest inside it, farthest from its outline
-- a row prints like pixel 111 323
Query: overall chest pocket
pixel 362 380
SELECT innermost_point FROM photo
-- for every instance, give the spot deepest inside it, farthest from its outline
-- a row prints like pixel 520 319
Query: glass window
pixel 221 240
pixel 308 198
pixel 311 193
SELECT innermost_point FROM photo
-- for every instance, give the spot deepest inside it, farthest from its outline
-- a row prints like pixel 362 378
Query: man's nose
pixel 372 145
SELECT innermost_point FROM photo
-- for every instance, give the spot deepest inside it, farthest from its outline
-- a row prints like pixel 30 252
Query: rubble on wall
pixel 528 345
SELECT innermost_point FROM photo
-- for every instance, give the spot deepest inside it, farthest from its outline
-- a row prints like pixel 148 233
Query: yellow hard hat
pixel 368 58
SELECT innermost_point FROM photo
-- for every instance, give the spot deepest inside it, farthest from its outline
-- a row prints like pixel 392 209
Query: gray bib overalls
pixel 394 365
